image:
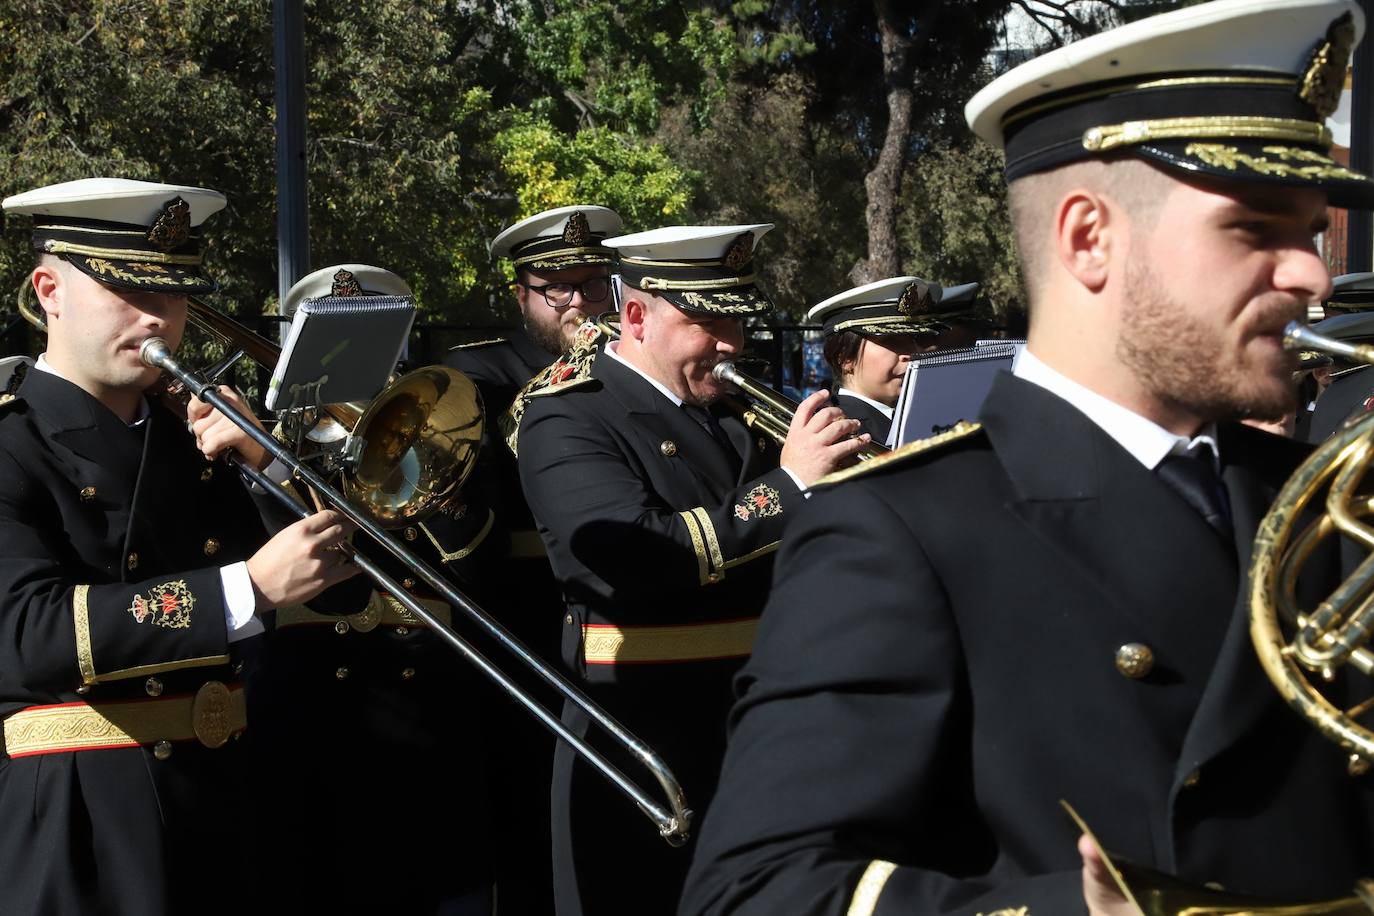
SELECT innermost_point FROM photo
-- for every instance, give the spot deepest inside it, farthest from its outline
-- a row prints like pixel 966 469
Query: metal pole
pixel 1360 234
pixel 293 223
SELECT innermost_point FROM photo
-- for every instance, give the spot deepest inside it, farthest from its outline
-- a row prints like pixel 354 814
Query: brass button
pixel 238 667
pixel 459 511
pixel 341 673
pixel 762 444
pixel 162 750
pixel 408 583
pixel 668 447
pixel 1192 779
pixel 568 619
pixel 132 562
pixel 407 673
pixel 206 475
pixel 152 687
pixel 1134 660
pixel 341 627
pixel 1356 765
pixel 411 534
pixel 83 689
pixel 211 547
pixel 87 494
pixel 403 631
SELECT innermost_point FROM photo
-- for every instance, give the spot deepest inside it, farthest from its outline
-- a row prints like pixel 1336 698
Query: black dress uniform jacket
pixel 1347 395
pixel 935 672
pixel 111 543
pixel 523 594
pixel 662 539
pixel 871 420
pixel 370 733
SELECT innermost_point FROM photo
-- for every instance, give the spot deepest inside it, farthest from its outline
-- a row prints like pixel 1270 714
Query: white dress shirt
pixel 1145 439
pixel 240 604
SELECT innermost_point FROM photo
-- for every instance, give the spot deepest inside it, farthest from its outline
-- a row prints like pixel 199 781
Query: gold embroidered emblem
pixel 740 252
pixel 1319 167
pixel 167 605
pixel 345 284
pixel 761 502
pixel 172 227
pixel 210 714
pixel 572 368
pixel 577 230
pixel 1324 78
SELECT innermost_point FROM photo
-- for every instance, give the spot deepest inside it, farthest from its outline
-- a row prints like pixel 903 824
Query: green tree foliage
pixel 432 125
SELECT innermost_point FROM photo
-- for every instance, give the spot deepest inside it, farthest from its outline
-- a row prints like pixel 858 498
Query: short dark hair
pixel 841 349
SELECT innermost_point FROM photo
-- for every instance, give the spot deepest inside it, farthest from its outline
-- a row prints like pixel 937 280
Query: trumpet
pixel 672 817
pixel 771 411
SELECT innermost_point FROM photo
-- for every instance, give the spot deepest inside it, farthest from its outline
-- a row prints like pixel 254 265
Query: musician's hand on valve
pixel 301 560
pixel 1100 892
pixel 820 439
pixel 215 432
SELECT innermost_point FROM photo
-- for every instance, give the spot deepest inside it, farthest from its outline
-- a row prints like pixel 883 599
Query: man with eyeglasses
pixel 561 276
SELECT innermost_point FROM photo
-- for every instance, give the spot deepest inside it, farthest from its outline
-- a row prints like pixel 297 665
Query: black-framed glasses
pixel 559 295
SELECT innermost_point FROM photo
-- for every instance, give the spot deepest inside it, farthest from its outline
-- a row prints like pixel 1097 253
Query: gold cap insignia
pixel 1325 76
pixel 916 297
pixel 345 284
pixel 577 231
pixel 740 252
pixel 172 227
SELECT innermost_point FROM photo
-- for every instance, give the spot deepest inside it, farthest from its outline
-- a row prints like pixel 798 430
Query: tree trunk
pixel 883 183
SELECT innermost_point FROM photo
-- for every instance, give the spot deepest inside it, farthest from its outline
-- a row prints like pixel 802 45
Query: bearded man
pixel 1047 604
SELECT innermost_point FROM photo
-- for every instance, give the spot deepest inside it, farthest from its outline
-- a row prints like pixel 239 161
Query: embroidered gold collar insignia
pixel 172 227
pixel 577 231
pixel 345 284
pixel 741 251
pixel 1325 76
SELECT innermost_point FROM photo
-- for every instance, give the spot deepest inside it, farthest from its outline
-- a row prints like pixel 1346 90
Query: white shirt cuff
pixel 239 602
pixel 797 480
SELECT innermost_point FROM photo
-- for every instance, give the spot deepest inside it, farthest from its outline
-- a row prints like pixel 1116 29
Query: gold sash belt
pixel 211 716
pixel 608 644
pixel 382 610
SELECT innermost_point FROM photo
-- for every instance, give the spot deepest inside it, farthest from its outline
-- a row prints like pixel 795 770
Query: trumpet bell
pixel 420 441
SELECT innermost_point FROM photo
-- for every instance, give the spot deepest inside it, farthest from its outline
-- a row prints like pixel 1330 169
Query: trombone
pixel 673 819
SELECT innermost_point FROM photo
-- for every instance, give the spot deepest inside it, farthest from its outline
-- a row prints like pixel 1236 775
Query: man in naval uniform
pixel 372 686
pixel 873 331
pixel 1048 604
pixel 562 274
pixel 660 511
pixel 1350 388
pixel 131 571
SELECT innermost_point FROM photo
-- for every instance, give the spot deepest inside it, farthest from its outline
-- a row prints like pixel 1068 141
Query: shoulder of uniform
pixel 571 370
pixel 903 454
pixel 476 344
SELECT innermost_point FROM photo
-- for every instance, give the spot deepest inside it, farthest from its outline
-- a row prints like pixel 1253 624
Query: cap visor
pixel 144 275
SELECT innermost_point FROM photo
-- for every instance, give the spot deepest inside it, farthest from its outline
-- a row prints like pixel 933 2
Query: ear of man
pixel 49 280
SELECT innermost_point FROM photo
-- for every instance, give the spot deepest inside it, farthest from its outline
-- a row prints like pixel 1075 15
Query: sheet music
pixel 340 348
pixel 943 387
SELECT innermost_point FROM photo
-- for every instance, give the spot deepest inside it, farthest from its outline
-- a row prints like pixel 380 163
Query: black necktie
pixel 707 421
pixel 1193 474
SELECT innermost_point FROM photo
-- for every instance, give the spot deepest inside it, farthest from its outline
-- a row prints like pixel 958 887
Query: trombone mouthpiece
pixel 154 352
pixel 724 371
